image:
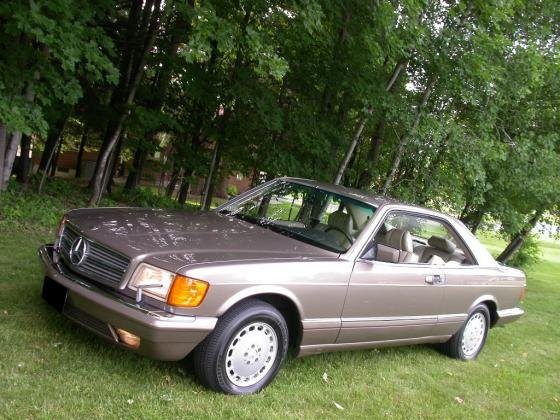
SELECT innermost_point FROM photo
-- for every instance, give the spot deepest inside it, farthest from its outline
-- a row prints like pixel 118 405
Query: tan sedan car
pixel 291 262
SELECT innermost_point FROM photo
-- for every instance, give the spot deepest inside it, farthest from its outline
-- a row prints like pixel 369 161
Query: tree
pixel 46 48
pixel 144 21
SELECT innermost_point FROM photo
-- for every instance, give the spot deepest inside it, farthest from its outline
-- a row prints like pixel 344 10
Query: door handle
pixel 434 279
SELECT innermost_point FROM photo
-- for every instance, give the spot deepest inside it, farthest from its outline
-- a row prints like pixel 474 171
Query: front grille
pixel 88 321
pixel 99 263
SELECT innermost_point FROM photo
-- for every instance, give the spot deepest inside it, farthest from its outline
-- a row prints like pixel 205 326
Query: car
pixel 292 262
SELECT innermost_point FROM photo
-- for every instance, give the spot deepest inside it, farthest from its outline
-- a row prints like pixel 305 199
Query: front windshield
pixel 309 214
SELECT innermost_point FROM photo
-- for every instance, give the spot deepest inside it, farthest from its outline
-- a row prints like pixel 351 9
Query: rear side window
pixel 413 238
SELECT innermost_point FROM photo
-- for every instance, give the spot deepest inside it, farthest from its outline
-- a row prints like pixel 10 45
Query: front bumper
pixel 163 336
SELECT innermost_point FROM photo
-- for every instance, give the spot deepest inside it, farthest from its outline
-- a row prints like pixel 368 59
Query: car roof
pixel 480 253
pixel 375 200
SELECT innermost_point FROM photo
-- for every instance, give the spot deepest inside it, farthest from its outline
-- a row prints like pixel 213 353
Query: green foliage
pixel 49 49
pixel 528 255
pixel 232 191
pixel 146 197
pixel 24 209
pixel 281 88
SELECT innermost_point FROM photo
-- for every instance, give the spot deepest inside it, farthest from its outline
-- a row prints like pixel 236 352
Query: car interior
pixel 323 217
pixel 400 245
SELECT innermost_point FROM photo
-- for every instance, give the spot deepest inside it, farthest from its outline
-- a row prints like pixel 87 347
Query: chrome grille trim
pixel 101 264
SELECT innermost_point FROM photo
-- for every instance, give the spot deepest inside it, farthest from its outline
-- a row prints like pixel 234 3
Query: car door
pixel 465 285
pixel 391 300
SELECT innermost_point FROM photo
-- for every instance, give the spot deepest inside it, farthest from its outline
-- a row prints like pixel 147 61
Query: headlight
pixel 164 285
pixel 148 277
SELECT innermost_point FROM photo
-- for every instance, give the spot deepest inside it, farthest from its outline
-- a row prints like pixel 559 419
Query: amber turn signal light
pixel 186 292
pixel 126 337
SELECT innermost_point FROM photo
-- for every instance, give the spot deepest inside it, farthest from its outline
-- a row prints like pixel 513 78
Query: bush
pixel 22 208
pixel 232 191
pixel 529 253
pixel 144 197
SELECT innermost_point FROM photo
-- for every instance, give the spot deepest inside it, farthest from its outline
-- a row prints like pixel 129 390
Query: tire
pixel 468 342
pixel 245 351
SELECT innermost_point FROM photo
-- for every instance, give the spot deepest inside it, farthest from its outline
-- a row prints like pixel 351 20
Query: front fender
pixel 260 290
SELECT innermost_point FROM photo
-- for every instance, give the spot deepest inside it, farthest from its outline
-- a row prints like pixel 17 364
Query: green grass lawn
pixel 51 368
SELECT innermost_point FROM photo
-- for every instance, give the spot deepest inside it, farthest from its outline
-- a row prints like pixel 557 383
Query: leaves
pixel 282 86
pixel 61 43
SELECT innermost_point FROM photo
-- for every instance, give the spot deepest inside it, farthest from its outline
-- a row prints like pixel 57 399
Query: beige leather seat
pixel 396 246
pixel 340 225
pixel 438 247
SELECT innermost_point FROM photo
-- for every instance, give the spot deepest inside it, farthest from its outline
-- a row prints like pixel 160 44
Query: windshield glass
pixel 309 214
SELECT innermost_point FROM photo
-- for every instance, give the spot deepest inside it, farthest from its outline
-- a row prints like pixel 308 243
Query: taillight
pixel 523 293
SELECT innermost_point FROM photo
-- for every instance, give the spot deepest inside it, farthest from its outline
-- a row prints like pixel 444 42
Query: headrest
pixel 399 239
pixel 442 244
pixel 436 260
pixel 341 220
pixel 383 229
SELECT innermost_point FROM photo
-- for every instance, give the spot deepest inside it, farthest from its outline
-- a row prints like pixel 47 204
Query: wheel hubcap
pixel 251 354
pixel 473 334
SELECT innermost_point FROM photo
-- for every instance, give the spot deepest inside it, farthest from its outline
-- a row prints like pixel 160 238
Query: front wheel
pixel 245 351
pixel 468 342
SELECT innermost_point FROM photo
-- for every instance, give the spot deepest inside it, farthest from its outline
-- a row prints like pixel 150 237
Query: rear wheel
pixel 245 351
pixel 468 342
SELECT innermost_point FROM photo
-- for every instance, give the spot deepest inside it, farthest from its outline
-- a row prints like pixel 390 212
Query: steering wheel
pixel 348 237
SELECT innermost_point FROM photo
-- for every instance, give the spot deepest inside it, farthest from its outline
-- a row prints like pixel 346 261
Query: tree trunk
pixel 474 219
pixel 135 175
pixel 366 177
pixel 519 238
pixel 211 178
pixel 114 161
pixel 158 98
pixel 54 162
pixel 362 122
pixel 15 138
pixel 465 210
pixel 2 155
pixel 49 160
pixel 126 68
pixel 101 176
pixel 170 189
pixel 404 139
pixel 24 164
pixel 53 135
pixel 185 186
pixel 353 144
pixel 83 142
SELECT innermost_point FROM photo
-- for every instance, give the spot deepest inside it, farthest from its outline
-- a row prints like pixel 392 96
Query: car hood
pixel 172 239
